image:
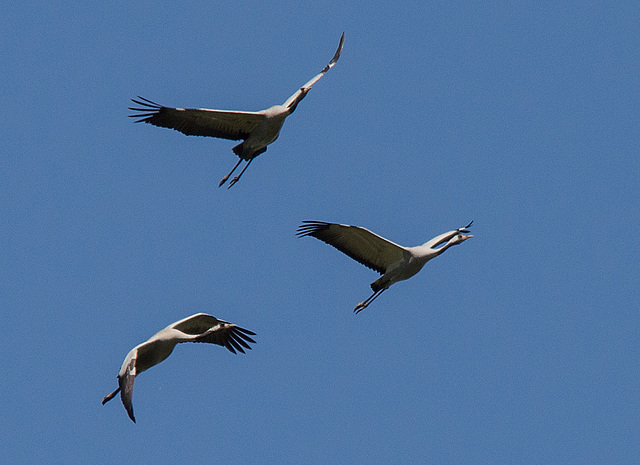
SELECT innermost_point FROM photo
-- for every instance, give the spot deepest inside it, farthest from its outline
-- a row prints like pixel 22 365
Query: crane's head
pixel 444 241
pixel 463 235
pixel 459 238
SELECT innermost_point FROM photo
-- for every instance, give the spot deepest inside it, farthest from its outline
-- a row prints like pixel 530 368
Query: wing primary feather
pixel 152 103
pixel 145 103
pixel 245 338
pixel 239 340
pixel 309 228
pixel 138 115
pixel 126 383
pixel 336 55
pixel 145 117
pixel 465 229
pixel 229 346
pixel 150 109
pixel 246 331
pixel 232 341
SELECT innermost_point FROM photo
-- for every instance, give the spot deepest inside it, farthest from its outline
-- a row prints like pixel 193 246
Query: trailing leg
pixel 362 305
pixel 230 172
pixel 237 178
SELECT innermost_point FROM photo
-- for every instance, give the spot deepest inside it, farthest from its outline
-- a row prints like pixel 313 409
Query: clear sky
pixel 519 346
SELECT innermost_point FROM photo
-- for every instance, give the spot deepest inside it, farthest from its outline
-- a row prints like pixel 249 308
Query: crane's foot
pixel 233 181
pixel 361 306
pixel 223 180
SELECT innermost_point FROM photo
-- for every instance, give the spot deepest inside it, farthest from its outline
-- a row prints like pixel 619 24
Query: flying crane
pixel 256 129
pixel 394 262
pixel 195 328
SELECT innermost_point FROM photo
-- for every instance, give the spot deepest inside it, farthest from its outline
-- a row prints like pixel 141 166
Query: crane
pixel 394 262
pixel 256 129
pixel 200 327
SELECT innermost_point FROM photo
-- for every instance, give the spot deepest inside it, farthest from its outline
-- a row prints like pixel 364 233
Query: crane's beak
pixel 464 238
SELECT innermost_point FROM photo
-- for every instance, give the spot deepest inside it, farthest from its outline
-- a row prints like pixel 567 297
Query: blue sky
pixel 518 346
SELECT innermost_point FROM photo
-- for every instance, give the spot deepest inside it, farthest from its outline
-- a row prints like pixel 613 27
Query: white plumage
pixel 196 328
pixel 394 262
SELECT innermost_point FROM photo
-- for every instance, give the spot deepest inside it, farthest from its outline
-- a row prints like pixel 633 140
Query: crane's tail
pixel 239 149
pixel 245 154
pixel 378 284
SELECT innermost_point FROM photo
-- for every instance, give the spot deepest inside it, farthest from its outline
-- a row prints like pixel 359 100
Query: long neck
pixel 441 239
pixel 437 251
pixel 298 98
pixel 434 247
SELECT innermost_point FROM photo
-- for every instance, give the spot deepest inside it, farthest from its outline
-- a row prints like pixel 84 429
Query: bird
pixel 200 327
pixel 394 262
pixel 256 129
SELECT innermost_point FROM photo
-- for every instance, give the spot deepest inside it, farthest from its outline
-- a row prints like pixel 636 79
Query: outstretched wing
pixel 210 329
pixel 196 324
pixel 125 381
pixel 362 245
pixel 228 335
pixel 300 93
pixel 233 125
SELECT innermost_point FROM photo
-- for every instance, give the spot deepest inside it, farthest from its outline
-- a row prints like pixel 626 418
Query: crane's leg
pixel 237 178
pixel 108 397
pixel 362 305
pixel 230 172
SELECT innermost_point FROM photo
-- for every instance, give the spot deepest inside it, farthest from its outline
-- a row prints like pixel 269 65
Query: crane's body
pixel 196 328
pixel 394 262
pixel 256 129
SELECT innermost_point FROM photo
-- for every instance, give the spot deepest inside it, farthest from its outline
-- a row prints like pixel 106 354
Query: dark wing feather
pixel 302 91
pixel 221 333
pixel 126 388
pixel 212 330
pixel 224 124
pixel 362 245
pixel 230 336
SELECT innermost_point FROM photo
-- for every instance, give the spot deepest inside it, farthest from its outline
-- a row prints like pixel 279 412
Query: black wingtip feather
pixel 238 338
pixel 149 110
pixel 465 229
pixel 309 228
pixel 229 346
pixel 247 338
pixel 235 344
pixel 146 102
pixel 246 331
